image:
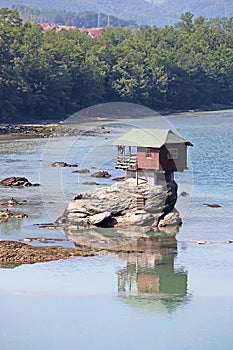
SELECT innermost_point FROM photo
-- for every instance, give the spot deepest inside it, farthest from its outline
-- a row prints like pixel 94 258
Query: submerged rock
pixel 124 204
pixel 81 171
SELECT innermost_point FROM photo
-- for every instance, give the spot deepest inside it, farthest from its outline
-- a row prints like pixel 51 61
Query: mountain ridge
pixel 150 12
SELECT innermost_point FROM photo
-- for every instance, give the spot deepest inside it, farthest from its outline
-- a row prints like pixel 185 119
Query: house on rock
pixel 152 155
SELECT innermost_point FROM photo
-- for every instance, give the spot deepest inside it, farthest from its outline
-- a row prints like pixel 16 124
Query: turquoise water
pixel 176 297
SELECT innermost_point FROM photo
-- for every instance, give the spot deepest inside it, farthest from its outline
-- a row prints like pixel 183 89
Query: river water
pixel 171 297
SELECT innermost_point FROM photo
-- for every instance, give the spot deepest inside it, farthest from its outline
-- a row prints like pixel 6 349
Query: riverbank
pixel 36 131
pixel 78 124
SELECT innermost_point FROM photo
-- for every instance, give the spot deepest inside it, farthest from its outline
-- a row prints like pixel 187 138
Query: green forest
pixel 54 74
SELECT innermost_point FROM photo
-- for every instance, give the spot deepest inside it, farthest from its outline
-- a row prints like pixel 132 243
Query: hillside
pixel 207 8
pixel 151 12
pixel 87 19
pixel 139 11
pixel 54 74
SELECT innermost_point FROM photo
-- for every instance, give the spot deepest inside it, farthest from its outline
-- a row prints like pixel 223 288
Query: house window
pixel 172 153
pixel 148 153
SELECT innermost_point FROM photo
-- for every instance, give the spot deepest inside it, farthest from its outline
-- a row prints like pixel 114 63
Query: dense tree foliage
pixel 53 74
pixel 87 19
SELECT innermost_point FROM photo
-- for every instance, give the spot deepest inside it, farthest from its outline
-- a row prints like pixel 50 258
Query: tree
pixel 186 23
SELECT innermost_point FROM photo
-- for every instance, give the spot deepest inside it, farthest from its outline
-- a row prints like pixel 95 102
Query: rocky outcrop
pixel 124 204
pixel 16 181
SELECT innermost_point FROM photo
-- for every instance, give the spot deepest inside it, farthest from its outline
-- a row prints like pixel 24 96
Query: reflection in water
pixel 11 225
pixel 149 278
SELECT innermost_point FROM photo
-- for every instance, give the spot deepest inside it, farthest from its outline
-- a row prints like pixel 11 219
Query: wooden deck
pixel 127 162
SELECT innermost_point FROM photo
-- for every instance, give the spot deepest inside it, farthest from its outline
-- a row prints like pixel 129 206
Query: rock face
pixel 124 204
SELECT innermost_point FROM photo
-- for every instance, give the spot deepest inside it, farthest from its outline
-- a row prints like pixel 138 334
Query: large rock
pixel 123 204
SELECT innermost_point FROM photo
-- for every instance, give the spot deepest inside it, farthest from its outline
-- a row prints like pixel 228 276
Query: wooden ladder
pixel 140 203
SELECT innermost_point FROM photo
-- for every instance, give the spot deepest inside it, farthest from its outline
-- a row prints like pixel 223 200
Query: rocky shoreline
pixel 21 131
pixel 58 129
pixel 37 131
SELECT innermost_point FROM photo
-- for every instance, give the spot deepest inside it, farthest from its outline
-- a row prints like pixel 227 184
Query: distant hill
pixel 139 11
pixel 151 12
pixel 87 19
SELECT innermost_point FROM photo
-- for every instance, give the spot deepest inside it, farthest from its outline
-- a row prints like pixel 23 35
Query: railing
pixel 127 162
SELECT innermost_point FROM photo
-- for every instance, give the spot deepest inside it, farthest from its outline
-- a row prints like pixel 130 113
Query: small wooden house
pixel 152 154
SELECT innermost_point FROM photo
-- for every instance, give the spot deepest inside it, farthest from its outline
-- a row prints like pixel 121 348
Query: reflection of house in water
pixel 152 270
pixel 149 276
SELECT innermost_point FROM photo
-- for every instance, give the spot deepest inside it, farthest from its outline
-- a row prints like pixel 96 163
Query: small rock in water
pixel 90 183
pixel 214 205
pixel 11 202
pixel 199 241
pixel 104 174
pixel 119 178
pixel 64 165
pixel 6 214
pixel 81 171
pixel 184 194
pixel 21 216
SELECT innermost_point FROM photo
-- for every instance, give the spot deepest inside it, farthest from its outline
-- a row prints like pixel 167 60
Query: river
pixel 177 297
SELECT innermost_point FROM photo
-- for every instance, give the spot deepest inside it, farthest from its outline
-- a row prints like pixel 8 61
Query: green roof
pixel 154 138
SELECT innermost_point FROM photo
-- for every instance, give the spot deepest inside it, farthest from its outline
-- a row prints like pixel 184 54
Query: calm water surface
pixel 178 297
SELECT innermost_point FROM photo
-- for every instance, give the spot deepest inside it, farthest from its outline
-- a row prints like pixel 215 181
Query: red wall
pixel 159 160
pixel 148 163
